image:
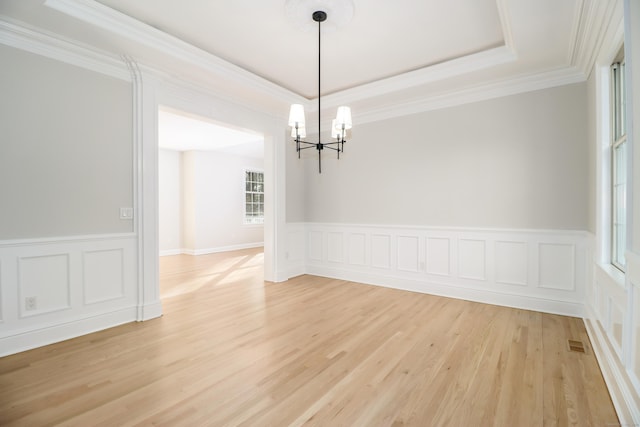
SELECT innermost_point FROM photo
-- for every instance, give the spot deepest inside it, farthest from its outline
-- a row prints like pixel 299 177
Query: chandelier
pixel 339 125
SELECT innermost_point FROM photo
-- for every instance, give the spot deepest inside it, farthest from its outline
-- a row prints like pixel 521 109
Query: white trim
pixel 21 36
pixel 482 92
pixel 222 248
pixel 525 302
pixel 41 336
pixel 170 252
pixel 531 231
pixel 618 382
pixel 455 67
pixel 111 20
pixel 593 21
pixel 505 22
pixel 65 239
pixel 149 311
pixel 310 250
pixel 123 25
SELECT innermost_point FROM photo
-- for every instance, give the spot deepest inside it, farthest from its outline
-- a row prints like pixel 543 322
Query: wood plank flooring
pixel 234 351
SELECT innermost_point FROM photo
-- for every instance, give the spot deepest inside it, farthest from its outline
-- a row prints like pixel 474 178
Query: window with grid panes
pixel 254 197
pixel 618 166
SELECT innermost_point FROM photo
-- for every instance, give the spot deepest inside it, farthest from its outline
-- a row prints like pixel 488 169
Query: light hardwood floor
pixel 232 350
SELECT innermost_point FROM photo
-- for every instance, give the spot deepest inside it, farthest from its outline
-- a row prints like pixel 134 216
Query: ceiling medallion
pixel 299 11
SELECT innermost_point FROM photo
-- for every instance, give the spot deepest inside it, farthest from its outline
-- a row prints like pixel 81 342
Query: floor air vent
pixel 577 346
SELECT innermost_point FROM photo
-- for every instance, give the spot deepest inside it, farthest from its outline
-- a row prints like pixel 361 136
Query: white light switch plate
pixel 126 213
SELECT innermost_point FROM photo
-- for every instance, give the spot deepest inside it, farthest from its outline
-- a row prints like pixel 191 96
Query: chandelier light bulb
pixel 302 132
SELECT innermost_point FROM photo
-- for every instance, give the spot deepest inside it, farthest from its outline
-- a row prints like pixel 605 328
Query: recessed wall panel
pixel 381 251
pixel 334 247
pixel 103 276
pixel 615 325
pixel 408 253
pixel 315 246
pixel 438 259
pixel 43 283
pixel 556 266
pixel 511 263
pixel 472 259
pixel 357 249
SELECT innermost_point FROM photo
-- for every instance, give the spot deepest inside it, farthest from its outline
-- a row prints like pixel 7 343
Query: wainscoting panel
pixel 315 246
pixel 357 248
pixel 557 266
pixel 55 289
pixel 537 270
pixel 43 284
pixel 103 275
pixel 438 259
pixel 335 246
pixel 408 253
pixel 612 318
pixel 472 259
pixel 511 259
pixel 381 251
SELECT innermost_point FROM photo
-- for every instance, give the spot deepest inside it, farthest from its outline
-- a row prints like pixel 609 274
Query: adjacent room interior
pixel 210 193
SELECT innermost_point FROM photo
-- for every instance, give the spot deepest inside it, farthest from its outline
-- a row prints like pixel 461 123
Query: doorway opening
pixel 210 202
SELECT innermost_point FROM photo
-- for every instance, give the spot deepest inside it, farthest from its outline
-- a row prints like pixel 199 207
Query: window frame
pixel 252 220
pixel 618 177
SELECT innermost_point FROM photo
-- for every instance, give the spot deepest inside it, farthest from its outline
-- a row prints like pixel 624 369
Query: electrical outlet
pixel 30 303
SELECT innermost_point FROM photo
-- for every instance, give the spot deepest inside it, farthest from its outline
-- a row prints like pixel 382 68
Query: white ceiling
pixel 180 132
pixel 393 57
pixel 384 38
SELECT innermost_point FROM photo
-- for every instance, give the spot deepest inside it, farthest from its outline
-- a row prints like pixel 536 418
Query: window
pixel 254 197
pixel 618 166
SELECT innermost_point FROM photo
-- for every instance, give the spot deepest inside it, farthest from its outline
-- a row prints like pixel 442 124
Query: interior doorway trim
pixel 154 92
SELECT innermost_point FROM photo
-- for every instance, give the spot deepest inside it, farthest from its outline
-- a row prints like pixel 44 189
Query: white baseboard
pixel 525 302
pixel 222 248
pixel 42 336
pixel 170 252
pixel 621 389
pixel 150 311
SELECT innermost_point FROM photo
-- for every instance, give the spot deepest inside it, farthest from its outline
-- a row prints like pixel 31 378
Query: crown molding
pixel 21 36
pixel 505 21
pixel 455 67
pixel 118 23
pixel 594 22
pixel 496 89
pixel 481 92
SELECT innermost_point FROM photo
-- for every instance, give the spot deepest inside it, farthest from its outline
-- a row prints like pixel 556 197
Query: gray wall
pixel 592 132
pixel 513 162
pixel 65 149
